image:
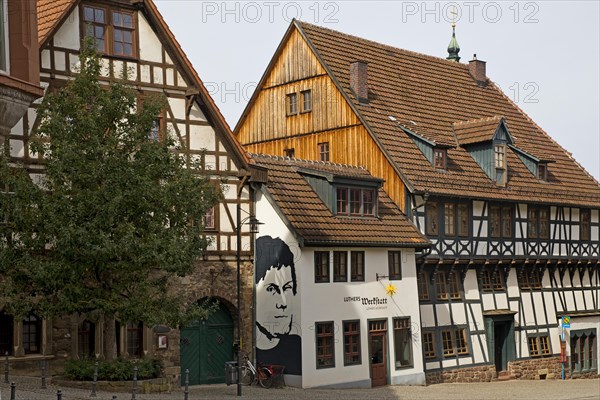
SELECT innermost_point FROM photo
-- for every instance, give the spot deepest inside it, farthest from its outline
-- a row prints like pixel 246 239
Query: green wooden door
pixel 206 346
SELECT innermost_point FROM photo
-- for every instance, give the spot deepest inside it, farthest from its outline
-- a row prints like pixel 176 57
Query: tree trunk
pixel 110 339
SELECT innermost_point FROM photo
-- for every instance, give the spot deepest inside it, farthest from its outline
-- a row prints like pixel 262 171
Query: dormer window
pixel 499 156
pixel 542 172
pixel 439 158
pixel 355 201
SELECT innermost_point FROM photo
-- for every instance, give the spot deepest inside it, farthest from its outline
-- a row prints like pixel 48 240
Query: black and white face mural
pixel 278 338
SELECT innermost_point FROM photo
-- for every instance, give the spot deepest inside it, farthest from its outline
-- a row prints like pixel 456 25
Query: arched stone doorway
pixel 205 346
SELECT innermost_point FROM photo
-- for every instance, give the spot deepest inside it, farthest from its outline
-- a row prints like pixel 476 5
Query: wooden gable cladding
pixel 266 128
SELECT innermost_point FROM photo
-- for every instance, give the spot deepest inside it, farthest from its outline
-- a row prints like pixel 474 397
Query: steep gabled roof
pixel 435 93
pixel 315 223
pixel 52 12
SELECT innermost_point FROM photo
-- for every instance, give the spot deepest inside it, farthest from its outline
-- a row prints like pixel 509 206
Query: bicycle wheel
pixel 247 376
pixel 265 378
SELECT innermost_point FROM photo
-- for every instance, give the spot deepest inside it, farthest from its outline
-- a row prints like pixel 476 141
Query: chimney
pixel 358 81
pixel 477 70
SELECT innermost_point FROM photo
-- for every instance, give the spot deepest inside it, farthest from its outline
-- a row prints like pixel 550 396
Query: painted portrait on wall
pixel 278 338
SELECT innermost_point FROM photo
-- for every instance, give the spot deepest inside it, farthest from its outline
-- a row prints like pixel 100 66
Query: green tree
pixel 115 219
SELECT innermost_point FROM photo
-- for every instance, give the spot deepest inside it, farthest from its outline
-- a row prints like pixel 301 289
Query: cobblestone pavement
pixel 578 389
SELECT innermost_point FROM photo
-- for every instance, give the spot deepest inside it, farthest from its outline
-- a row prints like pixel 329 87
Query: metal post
pixel 114 397
pixel 562 339
pixel 59 394
pixel 134 388
pixel 95 381
pixel 186 391
pixel 239 309
pixel 6 367
pixel 43 373
pixel 13 391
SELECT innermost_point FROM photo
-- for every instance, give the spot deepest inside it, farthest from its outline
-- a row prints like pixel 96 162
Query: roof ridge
pixel 483 119
pixel 286 158
pixel 450 62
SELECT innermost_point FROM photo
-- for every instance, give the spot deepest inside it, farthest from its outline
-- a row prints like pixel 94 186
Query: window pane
pixel 447 343
pixel 431 211
pixel 321 266
pixel 128 49
pixel 118 48
pixel 506 222
pixel 532 223
pixel 463 220
pixel 127 37
pixel 325 354
pixel 394 265
pixel 127 21
pixel 99 15
pixel 428 345
pixel 355 201
pixel 342 200
pixel 368 202
pixel 351 343
pixel 440 285
pixel 544 223
pixel 461 341
pixel 117 19
pixel 340 266
pixel 358 266
pixel 402 342
pixel 118 35
pixel 88 13
pixel 423 285
pixel 449 219
pixel 495 221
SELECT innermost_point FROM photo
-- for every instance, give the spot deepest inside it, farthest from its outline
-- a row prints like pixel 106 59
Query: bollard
pixel 6 367
pixel 13 391
pixel 59 394
pixel 114 397
pixel 44 374
pixel 134 388
pixel 186 391
pixel 95 382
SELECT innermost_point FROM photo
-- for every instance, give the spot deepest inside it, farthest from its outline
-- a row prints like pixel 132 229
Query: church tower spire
pixel 453 47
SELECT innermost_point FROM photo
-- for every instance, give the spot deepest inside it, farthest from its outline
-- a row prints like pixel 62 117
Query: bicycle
pixel 250 374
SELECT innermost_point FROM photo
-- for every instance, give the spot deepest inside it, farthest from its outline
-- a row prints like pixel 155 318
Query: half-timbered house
pixel 336 282
pixel 513 219
pixel 132 36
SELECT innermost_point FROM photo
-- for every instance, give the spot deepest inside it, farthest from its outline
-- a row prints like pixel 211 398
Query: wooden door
pixel 205 347
pixel 378 352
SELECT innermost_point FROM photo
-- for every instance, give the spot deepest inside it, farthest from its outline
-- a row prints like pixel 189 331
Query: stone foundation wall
pixel 536 368
pixel 484 373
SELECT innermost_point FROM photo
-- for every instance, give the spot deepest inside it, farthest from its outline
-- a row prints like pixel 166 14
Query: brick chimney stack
pixel 358 81
pixel 477 70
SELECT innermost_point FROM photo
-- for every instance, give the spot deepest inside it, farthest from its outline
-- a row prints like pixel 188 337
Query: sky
pixel 545 55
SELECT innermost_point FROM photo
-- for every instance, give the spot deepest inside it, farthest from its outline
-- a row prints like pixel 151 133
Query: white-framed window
pixel 499 156
pixel 4 54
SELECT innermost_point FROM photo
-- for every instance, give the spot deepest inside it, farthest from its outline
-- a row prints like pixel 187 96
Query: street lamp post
pixel 253 222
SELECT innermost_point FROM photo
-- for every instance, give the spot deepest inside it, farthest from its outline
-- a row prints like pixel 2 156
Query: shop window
pixel 134 339
pixel 32 334
pixel 492 280
pixel 584 225
pixel 351 342
pixel 402 342
pixel 323 151
pixel 539 345
pixel 423 285
pixel 584 350
pixel 394 265
pixel 112 31
pixel 86 339
pixel 429 344
pixel 454 341
pixel 321 266
pixel 340 266
pixel 447 285
pixel 538 222
pixel 357 266
pixel 325 348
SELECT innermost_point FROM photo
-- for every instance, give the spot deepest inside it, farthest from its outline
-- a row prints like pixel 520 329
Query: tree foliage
pixel 115 219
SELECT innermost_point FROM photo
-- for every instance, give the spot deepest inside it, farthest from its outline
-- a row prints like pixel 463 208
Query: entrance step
pixel 505 376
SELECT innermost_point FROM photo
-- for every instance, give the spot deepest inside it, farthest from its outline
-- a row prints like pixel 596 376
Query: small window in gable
pixel 439 158
pixel 306 100
pixel 289 152
pixel 324 151
pixel 292 104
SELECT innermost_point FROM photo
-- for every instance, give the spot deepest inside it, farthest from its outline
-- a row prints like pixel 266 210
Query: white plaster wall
pixel 150 46
pixel 67 35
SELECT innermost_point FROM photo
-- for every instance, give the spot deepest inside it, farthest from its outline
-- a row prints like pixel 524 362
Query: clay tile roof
pixel 50 13
pixel 435 93
pixel 476 130
pixel 314 221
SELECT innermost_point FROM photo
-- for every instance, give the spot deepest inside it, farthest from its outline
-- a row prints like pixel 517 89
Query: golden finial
pixel 454 14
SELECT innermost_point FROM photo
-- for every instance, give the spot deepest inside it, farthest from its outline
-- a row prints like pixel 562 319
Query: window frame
pixel 585 224
pixel 211 215
pixel 432 218
pixel 440 158
pixel 323 149
pixel 531 279
pixel 32 339
pixel 291 104
pixel 355 256
pixel 445 294
pixel 4 39
pixel 86 339
pixel 535 222
pixel 506 220
pixel 584 358
pixel 499 156
pixel 134 331
pixel 324 336
pixel 110 28
pixel 402 324
pixel 355 339
pixel 542 171
pixel 536 345
pixel 322 273
pixel 445 214
pixel 394 268
pixel 345 204
pixel 451 335
pixel 431 351
pixel 423 285
pixel 303 97
pixel 340 272
pixel 492 281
